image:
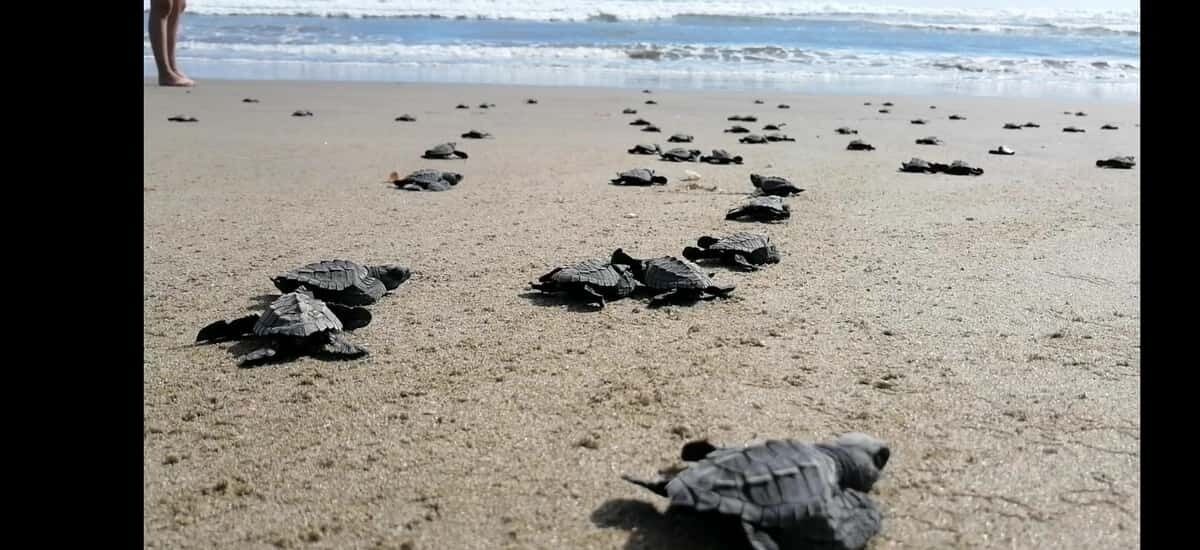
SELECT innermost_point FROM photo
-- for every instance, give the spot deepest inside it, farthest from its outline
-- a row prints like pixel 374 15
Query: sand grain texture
pixel 987 327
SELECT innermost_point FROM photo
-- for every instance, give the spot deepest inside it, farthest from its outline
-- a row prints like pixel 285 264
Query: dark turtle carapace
pixel 721 156
pixel 766 208
pixel 344 282
pixel 639 176
pixel 1125 162
pixel 774 185
pixel 672 279
pixel 860 145
pixel 426 180
pixel 745 251
pixel 645 149
pixel 594 281
pixel 444 151
pixel 679 154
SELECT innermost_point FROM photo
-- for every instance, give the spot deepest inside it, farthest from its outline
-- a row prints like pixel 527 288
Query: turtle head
pixel 756 180
pixel 867 456
pixel 452 177
pixel 692 253
pixel 390 275
pixel 638 267
pixel 706 241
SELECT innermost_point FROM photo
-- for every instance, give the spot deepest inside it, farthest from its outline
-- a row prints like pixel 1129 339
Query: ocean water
pixel 720 44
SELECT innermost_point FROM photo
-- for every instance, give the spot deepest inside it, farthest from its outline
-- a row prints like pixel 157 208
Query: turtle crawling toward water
pixel 651 102
pixel 651 128
pixel 776 136
pixel 784 106
pixel 957 117
pixel 721 156
pixel 1109 127
pixel 639 176
pixel 774 185
pixel 1074 130
pixel 1117 162
pixel 645 149
pixel 956 168
pixel 860 145
pixel 629 111
pixel 918 121
pixel 680 138
pixel 743 118
pixel 845 131
pixel 768 208
pixel 1002 150
pixel 885 111
pixel 931 140
pixel 887 104
pixel 1031 125
pixel 595 281
pixel 343 282
pixel 1012 126
pixel 531 101
pixel 406 118
pixel 461 106
pixel 759 102
pixel 918 165
pixel 785 494
pixel 181 118
pixel 774 126
pixel 679 154
pixel 674 279
pixel 640 122
pixel 744 251
pixel 753 138
pixel 302 113
pixel 444 151
pixel 427 180
pixel 476 134
pixel 294 324
pixel 486 105
pixel 735 129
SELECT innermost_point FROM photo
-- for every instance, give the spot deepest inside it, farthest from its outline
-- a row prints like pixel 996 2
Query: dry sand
pixel 987 327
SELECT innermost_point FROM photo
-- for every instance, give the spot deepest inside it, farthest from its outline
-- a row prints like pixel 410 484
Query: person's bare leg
pixel 173 21
pixel 160 12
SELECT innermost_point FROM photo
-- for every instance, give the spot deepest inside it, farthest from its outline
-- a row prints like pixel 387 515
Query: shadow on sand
pixel 651 530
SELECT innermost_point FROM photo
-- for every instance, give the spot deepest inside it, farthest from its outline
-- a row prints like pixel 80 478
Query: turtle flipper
pixel 660 180
pixel 737 160
pixel 692 253
pixel 338 346
pixel 664 298
pixel 593 296
pixel 658 486
pixel 225 330
pixel 740 262
pixel 759 539
pixel 460 154
pixel 695 451
pixel 720 291
pixel 258 356
pixel 351 317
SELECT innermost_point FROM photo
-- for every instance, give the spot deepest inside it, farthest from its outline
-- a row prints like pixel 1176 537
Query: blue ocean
pixel 698 44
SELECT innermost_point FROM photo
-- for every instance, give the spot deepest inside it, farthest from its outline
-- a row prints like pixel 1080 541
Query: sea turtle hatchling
pixel 743 118
pixel 918 121
pixel 651 102
pixel 917 165
pixel 777 136
pixel 486 105
pixel 294 324
pixel 860 145
pixel 1073 130
pixel 957 117
pixel 786 494
pixel 680 138
pixel 735 129
pixel 595 281
pixel 929 140
pixel 1012 126
pixel 845 131
pixel 887 104
pixel 753 138
pixel 645 149
pixel 302 113
pixel 1117 162
pixel 1002 150
pixel 343 282
pixel 476 134
pixel 721 156
pixel 767 208
pixel 1031 125
pixel 181 118
pixel 639 176
pixel 774 185
pixel 444 151
pixel 759 102
pixel 406 118
pixel 640 122
pixel 770 127
pixel 427 180
pixel 1109 127
pixel 674 279
pixel 652 128
pixel 531 101
pixel 742 250
pixel 461 106
pixel 679 154
pixel 960 168
pixel 629 111
pixel 784 106
pixel 885 111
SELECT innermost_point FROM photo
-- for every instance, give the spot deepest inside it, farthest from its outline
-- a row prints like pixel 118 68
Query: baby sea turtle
pixel 531 101
pixel 1012 126
pixel 762 209
pixel 741 250
pixel 645 149
pixel 1080 113
pixel 930 140
pixel 917 165
pixel 595 281
pixel 640 122
pixel 753 138
pixel 1117 162
pixel 759 102
pixel 679 154
pixel 885 111
pixel 249 100
pixel 867 103
pixel 957 117
pixel 776 136
pixel 652 128
pixel 1074 130
pixel 444 151
pixel 774 185
pixel 476 134
pixel 302 113
pixel 646 91
pixel 774 126
pixel 933 106
pixel 651 102
pixel 918 121
pixel 860 145
pixel 674 279
pixel 629 111
pixel 461 106
pixel 784 106
pixel 343 282
pixel 743 118
pixel 294 324
pixel 1108 127
pixel 426 180
pixel 721 156
pixel 486 105
pixel 737 130
pixel 887 103
pixel 680 138
pixel 181 118
pixel 1002 150
pixel 406 118
pixel 786 494
pixel 639 176
pixel 960 168
pixel 1031 125
pixel 845 131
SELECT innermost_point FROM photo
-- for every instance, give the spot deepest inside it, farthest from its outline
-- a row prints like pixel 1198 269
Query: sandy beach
pixel 986 327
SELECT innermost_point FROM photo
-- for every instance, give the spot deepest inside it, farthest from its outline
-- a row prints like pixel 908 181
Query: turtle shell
pixel 297 315
pixel 444 149
pixel 679 153
pixel 846 131
pixel 916 165
pixel 753 138
pixel 742 242
pixel 680 138
pixel 774 185
pixel 339 281
pixel 771 205
pixel 670 273
pixel 786 488
pixel 597 273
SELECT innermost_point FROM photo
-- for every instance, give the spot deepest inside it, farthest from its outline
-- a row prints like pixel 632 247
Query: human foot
pixel 175 80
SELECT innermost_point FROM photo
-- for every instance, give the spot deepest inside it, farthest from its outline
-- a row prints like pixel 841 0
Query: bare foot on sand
pixel 175 80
